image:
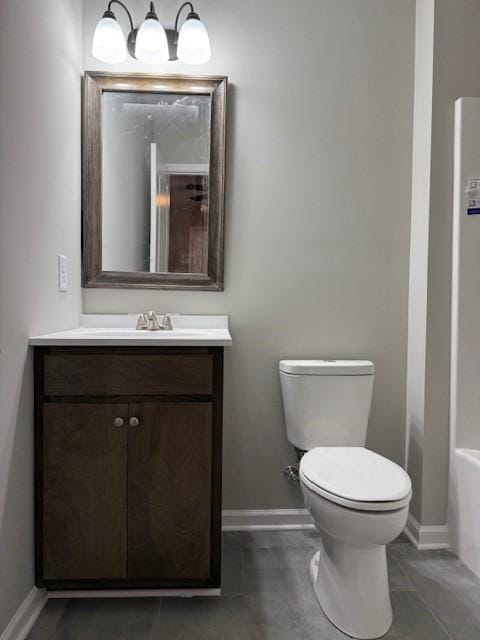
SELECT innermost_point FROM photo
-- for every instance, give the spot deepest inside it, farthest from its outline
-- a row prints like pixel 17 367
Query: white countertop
pixel 119 330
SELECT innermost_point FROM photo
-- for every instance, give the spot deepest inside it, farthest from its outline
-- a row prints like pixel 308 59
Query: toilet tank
pixel 326 402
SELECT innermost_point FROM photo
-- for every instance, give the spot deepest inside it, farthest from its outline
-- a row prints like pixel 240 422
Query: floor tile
pixel 202 618
pixel 280 598
pixel 233 581
pixel 412 619
pixel 282 603
pixel 107 619
pixel 231 539
pixel 398 578
pixel 450 589
pixel 48 620
pixel 268 595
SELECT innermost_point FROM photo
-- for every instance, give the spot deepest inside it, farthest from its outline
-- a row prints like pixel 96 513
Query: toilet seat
pixel 356 478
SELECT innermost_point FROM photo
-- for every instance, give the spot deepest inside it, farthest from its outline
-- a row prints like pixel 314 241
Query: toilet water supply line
pixel 291 472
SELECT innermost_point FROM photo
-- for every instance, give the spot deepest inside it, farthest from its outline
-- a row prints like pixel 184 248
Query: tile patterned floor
pixel 267 595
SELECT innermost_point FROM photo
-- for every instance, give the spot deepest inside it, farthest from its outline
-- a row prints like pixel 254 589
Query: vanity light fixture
pixel 108 40
pixel 151 43
pixel 193 43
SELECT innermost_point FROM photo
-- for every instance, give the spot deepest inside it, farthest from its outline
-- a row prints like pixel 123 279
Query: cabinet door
pixel 169 491
pixel 84 490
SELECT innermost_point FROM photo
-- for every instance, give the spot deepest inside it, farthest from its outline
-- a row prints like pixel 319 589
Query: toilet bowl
pixel 359 503
pixel 357 498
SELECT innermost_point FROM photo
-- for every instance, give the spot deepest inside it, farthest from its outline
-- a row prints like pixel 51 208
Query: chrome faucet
pixel 150 322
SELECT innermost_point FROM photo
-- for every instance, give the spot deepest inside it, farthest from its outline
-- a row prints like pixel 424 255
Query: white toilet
pixel 357 498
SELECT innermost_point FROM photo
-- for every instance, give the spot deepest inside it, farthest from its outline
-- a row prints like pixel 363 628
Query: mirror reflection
pixel 155 187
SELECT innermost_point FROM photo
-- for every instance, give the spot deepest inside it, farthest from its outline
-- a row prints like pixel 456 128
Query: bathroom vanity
pixel 128 448
pixel 128 422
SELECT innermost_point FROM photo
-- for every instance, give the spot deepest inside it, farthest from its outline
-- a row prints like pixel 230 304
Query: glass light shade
pixel 193 42
pixel 151 43
pixel 109 42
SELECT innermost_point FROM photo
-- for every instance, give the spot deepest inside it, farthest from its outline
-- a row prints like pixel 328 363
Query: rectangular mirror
pixel 153 181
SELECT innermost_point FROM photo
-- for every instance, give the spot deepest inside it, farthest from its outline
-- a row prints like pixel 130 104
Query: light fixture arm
pixel 192 10
pixel 109 9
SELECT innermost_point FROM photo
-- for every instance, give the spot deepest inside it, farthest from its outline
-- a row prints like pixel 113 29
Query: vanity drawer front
pixel 74 374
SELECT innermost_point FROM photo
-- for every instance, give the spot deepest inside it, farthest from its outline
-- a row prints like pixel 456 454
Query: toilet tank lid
pixel 328 367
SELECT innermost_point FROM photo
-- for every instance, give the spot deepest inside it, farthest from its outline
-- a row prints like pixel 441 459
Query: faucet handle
pixel 167 322
pixel 142 322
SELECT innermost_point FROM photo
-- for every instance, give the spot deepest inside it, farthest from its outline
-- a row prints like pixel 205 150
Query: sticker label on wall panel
pixel 473 207
pixel 473 191
pixel 473 185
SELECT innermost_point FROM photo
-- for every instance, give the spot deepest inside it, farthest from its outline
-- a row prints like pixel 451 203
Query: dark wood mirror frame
pixel 95 84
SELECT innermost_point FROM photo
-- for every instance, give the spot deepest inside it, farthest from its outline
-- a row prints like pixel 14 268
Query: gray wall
pixel 318 210
pixel 39 218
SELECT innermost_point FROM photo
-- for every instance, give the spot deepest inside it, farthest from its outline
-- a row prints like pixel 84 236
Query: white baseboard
pixel 266 520
pixel 19 626
pixel 132 593
pixel 425 537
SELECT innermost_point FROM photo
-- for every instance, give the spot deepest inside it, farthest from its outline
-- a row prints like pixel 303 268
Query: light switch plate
pixel 62 273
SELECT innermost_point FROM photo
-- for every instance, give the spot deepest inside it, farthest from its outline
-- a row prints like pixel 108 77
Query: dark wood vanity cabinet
pixel 128 467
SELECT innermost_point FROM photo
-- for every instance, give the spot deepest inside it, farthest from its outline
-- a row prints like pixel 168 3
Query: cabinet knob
pixel 119 422
pixel 134 422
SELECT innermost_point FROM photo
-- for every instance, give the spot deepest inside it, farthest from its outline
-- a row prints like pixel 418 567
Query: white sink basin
pixel 120 331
